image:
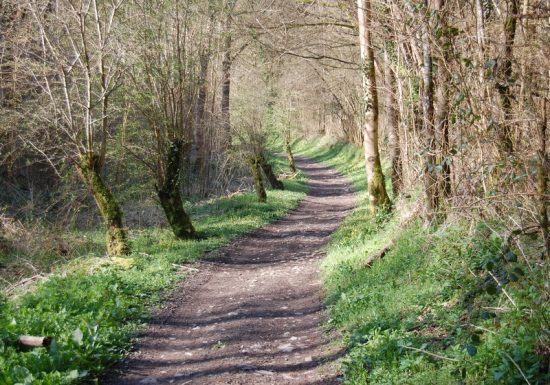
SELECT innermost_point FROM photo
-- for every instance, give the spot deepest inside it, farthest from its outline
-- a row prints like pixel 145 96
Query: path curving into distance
pixel 252 317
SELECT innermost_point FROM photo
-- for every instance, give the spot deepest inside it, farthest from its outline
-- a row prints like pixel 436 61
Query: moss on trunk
pixel 289 155
pixel 117 240
pixel 377 190
pixel 169 193
pixel 254 163
pixel 543 169
pixel 268 171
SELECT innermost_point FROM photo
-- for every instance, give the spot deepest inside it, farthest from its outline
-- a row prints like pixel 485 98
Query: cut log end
pixel 35 342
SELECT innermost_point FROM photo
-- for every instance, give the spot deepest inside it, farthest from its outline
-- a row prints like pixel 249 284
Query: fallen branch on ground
pixel 35 342
pixel 367 264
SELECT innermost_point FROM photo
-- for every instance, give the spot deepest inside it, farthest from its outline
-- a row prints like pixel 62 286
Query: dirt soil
pixel 253 314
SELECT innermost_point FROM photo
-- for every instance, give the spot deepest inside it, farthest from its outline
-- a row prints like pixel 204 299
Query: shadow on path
pixel 252 315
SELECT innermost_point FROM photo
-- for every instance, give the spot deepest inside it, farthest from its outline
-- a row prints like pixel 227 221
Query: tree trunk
pixel 227 62
pixel 542 178
pixel 268 171
pixel 428 129
pixel 90 172
pixel 199 125
pixel 169 193
pixel 378 197
pixel 254 163
pixel 289 155
pixel 505 80
pixel 443 100
pixel 393 126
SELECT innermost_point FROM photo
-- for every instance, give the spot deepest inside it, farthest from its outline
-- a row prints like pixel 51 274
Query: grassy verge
pixel 430 311
pixel 93 305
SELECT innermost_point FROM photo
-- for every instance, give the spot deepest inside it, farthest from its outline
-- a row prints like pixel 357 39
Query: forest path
pixel 253 315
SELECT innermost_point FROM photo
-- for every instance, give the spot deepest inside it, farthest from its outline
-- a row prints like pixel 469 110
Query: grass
pixel 430 311
pixel 93 305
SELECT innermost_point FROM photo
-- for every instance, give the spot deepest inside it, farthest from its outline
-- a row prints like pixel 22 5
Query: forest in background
pixel 123 117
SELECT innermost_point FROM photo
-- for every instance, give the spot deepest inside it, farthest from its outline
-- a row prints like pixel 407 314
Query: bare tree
pixel 77 70
pixel 166 79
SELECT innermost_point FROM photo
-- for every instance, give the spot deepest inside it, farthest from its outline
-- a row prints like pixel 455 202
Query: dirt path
pixel 254 315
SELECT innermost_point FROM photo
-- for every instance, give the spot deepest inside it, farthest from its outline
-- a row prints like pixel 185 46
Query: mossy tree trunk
pixel 506 79
pixel 90 172
pixel 393 126
pixel 542 178
pixel 169 193
pixel 227 63
pixel 289 154
pixel 255 166
pixel 430 176
pixel 270 175
pixel 443 98
pixel 200 126
pixel 378 197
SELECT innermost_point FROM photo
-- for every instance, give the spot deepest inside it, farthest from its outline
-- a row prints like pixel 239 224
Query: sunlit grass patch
pixel 92 305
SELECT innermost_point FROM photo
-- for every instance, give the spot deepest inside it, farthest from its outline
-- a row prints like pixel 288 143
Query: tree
pixel 166 78
pixel 431 185
pixel 227 62
pixel 378 196
pixel 77 70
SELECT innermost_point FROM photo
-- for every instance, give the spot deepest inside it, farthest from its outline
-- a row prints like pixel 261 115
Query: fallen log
pixel 35 342
pixel 367 264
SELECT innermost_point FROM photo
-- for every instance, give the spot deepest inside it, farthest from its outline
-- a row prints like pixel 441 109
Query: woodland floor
pixel 252 313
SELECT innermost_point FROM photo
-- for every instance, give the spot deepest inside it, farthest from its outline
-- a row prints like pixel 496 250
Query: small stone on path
pixel 149 381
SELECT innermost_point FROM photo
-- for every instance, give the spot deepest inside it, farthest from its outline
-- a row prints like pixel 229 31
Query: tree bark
pixel 542 178
pixel 289 154
pixel 443 100
pixel 169 193
pixel 378 197
pixel 428 129
pixel 35 342
pixel 393 126
pixel 109 208
pixel 505 80
pixel 199 126
pixel 227 63
pixel 270 175
pixel 254 163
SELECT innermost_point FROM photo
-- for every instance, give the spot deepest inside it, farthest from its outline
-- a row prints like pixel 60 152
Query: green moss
pixel 270 175
pixel 169 193
pixel 255 167
pixel 378 197
pixel 117 242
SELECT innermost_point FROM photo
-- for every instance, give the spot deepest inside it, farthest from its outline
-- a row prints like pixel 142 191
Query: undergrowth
pixel 92 305
pixel 450 305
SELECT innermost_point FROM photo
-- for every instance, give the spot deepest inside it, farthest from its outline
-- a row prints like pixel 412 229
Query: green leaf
pixel 510 256
pixel 73 375
pixel 472 350
pixel 518 271
pixel 491 289
pixel 77 336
